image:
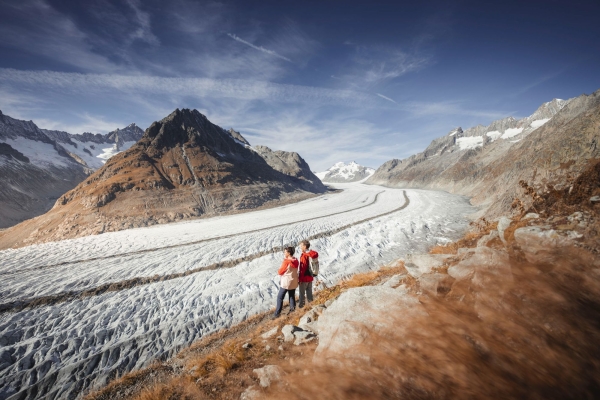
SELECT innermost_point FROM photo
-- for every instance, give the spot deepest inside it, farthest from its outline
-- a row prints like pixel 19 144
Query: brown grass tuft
pixel 480 228
pixel 181 388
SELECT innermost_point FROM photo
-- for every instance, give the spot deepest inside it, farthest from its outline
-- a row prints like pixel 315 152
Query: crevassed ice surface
pixel 65 350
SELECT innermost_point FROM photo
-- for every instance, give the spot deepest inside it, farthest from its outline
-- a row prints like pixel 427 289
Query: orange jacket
pixel 304 265
pixel 289 273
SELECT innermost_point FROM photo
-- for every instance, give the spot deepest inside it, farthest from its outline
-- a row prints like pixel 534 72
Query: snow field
pixel 62 349
pixel 469 142
pixel 40 154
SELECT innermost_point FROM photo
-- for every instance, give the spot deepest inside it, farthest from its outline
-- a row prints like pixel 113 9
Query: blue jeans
pixel 281 295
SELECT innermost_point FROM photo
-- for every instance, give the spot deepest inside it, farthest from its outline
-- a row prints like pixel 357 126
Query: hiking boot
pixel 291 311
pixel 275 316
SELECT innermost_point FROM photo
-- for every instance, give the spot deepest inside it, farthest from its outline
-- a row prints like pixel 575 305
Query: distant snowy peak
pixel 131 133
pixel 93 149
pixel 341 173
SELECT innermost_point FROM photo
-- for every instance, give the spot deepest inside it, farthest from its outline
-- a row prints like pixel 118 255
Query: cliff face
pixel 184 166
pixel 486 163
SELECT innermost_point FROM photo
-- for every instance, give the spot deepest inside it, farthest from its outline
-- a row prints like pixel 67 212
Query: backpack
pixel 313 267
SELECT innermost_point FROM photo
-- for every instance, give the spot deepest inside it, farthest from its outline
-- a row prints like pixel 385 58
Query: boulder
pixel 484 240
pixel 311 326
pixel 483 258
pixel 419 264
pixel 393 281
pixel 288 332
pixel 269 374
pixel 503 223
pixel 312 315
pixel 308 318
pixel 436 284
pixel 251 393
pixel 539 245
pixel 346 323
pixel 269 334
pixel 303 337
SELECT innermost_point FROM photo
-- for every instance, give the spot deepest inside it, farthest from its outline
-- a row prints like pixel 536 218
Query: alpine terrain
pixel 486 163
pixel 341 172
pixel 37 165
pixel 184 166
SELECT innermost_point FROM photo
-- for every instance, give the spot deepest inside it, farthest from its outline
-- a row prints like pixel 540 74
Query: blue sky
pixel 335 81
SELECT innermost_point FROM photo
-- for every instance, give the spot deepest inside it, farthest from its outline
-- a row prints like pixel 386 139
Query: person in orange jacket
pixel 288 273
pixel 305 278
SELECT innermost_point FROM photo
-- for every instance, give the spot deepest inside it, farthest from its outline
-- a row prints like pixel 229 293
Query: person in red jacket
pixel 288 273
pixel 304 276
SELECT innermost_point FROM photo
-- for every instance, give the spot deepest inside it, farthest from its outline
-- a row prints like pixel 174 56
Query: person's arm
pixel 313 254
pixel 283 268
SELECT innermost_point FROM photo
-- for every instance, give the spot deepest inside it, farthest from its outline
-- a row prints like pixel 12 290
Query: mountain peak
pixel 341 172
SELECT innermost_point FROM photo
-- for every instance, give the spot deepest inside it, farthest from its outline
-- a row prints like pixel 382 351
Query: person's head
pixel 304 245
pixel 289 251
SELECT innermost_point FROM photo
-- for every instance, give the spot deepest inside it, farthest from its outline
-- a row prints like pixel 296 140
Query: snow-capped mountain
pixel 487 162
pixel 37 165
pixel 341 172
pixel 184 166
pixel 92 150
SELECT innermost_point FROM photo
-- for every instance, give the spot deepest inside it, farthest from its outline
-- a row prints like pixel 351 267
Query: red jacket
pixel 304 265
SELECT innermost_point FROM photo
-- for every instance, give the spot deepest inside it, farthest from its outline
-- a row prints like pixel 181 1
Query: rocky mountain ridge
pixel 342 173
pixel 486 163
pixel 184 166
pixel 38 165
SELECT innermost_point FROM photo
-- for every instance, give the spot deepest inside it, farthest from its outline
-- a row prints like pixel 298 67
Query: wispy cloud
pixel 86 123
pixel 259 48
pixel 35 27
pixel 63 82
pixel 369 66
pixel 385 98
pixel 422 109
pixel 144 31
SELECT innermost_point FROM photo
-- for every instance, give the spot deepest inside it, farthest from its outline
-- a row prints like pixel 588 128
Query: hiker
pixel 288 280
pixel 305 276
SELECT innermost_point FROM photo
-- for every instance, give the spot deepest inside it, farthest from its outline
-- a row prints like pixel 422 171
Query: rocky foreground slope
pixel 37 166
pixel 550 147
pixel 184 166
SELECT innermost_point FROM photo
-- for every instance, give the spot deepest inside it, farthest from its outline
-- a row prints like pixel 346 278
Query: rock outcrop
pixel 184 166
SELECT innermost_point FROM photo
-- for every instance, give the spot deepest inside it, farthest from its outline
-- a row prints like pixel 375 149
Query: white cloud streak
pixel 259 48
pixel 385 98
pixel 89 84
